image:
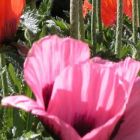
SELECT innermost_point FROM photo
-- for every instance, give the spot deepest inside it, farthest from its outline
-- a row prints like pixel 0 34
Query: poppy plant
pixel 109 11
pixel 77 98
pixel 10 12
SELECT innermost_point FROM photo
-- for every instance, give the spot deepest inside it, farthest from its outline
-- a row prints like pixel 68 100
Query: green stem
pixel 99 23
pixel 138 9
pixel 93 26
pixel 118 43
pixel 134 20
pixel 138 13
pixel 81 30
pixel 74 8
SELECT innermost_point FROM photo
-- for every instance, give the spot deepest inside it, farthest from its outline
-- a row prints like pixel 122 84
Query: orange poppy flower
pixel 127 7
pixel 109 11
pixel 10 12
pixel 86 7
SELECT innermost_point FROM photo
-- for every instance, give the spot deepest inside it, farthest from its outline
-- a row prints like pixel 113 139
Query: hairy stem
pixel 81 30
pixel 118 42
pixel 138 11
pixel 93 26
pixel 134 20
pixel 99 23
pixel 74 9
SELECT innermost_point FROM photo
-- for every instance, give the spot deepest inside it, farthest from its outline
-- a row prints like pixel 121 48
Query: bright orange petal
pixel 9 17
pixel 127 7
pixel 108 12
pixel 86 7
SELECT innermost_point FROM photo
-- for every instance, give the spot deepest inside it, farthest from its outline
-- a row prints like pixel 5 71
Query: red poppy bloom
pixel 86 7
pixel 109 10
pixel 10 12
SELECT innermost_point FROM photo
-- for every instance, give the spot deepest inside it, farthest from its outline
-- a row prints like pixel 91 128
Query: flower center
pixel 47 92
pixel 83 124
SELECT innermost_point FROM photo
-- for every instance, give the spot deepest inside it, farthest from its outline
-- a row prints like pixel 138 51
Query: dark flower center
pixel 47 92
pixel 83 124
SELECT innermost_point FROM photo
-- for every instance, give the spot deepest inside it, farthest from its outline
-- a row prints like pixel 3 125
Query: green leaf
pixel 16 82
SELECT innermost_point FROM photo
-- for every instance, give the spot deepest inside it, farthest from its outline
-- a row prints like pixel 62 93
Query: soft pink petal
pixel 130 128
pixel 95 92
pixel 47 58
pixel 58 126
pixel 21 102
pixel 125 64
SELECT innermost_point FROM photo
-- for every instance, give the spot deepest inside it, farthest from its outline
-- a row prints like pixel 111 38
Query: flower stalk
pixel 99 23
pixel 74 10
pixel 134 20
pixel 81 30
pixel 119 26
pixel 93 26
pixel 138 12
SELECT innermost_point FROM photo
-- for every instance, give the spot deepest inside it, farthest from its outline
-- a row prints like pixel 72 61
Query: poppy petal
pixel 93 95
pixel 55 123
pixel 108 12
pixel 130 128
pixel 47 58
pixel 58 128
pixel 9 18
pixel 21 102
pixel 127 7
pixel 86 7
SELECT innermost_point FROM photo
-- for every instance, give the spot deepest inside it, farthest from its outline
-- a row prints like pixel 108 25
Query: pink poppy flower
pixel 76 98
